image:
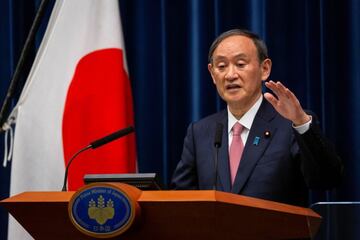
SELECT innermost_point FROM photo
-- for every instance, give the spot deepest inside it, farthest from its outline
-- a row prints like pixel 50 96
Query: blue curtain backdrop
pixel 314 45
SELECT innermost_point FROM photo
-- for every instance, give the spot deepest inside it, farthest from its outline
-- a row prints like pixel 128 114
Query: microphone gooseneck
pixel 218 135
pixel 217 145
pixel 95 144
pixel 69 163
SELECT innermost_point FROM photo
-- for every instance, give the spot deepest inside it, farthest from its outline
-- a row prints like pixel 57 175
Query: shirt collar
pixel 247 119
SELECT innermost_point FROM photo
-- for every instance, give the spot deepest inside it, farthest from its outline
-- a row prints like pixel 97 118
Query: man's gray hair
pixel 259 43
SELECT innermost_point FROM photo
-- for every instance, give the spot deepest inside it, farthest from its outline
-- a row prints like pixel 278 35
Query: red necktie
pixel 236 150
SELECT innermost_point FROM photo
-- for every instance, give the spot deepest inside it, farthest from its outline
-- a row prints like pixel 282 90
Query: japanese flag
pixel 78 90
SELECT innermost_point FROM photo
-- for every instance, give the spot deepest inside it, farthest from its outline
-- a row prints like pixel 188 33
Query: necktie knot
pixel 237 129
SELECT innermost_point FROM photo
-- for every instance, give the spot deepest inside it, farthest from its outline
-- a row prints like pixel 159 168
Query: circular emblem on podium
pixel 101 210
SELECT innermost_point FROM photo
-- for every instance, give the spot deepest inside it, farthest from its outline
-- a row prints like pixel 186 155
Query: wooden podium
pixel 173 215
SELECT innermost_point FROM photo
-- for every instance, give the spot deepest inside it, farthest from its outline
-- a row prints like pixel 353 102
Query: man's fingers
pixel 272 86
pixel 280 90
pixel 271 99
pixel 286 91
pixel 292 97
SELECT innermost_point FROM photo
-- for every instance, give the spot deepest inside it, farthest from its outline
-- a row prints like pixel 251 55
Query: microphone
pixel 111 137
pixel 95 144
pixel 217 145
pixel 218 135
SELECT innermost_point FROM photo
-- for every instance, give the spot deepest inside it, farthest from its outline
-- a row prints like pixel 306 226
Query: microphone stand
pixel 216 165
pixel 95 144
pixel 69 163
pixel 217 144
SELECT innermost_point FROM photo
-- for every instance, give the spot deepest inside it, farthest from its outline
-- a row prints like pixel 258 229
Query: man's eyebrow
pixel 220 57
pixel 241 55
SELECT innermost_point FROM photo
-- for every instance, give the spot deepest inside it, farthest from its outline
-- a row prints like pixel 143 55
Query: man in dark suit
pixel 271 148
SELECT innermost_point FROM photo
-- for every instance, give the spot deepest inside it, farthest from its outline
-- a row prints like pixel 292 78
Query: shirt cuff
pixel 304 127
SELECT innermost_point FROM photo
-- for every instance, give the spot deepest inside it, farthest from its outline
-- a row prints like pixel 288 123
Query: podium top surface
pixel 174 196
pixel 205 214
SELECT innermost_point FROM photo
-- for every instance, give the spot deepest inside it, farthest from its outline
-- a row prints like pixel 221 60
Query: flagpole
pixel 23 57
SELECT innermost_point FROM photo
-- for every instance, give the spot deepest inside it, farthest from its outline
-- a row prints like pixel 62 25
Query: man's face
pixel 236 71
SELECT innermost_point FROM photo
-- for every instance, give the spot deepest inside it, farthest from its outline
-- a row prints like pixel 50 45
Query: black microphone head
pixel 112 137
pixel 218 135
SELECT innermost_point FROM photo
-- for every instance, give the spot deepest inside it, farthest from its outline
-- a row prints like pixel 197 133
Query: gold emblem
pixel 101 213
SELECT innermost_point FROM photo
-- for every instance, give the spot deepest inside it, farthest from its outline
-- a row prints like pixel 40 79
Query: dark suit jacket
pixel 280 167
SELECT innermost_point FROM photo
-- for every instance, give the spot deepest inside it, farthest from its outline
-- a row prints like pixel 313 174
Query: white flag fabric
pixel 77 91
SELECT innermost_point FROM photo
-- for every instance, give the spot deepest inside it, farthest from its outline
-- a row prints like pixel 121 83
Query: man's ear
pixel 210 68
pixel 266 69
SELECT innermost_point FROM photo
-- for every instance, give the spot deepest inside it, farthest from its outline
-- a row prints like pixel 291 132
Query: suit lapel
pixel 256 144
pixel 223 160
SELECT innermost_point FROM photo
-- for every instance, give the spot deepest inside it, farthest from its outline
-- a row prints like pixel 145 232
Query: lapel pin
pixel 256 141
pixel 267 134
